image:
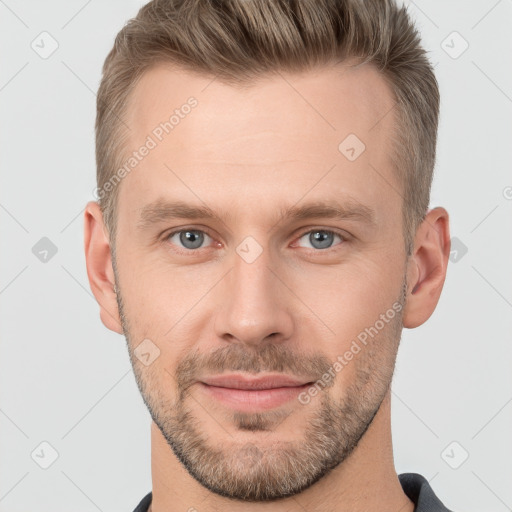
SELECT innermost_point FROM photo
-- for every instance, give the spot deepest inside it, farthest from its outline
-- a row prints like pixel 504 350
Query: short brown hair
pixel 239 40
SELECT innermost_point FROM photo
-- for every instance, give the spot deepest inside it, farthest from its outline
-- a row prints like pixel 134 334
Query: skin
pixel 248 154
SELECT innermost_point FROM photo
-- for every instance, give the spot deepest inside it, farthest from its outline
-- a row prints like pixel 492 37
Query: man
pixel 261 238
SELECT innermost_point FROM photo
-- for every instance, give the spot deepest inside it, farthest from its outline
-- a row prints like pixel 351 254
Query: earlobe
pixel 427 267
pixel 99 266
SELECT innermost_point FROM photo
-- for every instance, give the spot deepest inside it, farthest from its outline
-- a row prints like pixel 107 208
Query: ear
pixel 426 268
pixel 99 266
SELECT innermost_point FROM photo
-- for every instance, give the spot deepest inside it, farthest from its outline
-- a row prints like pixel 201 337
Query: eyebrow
pixel 161 210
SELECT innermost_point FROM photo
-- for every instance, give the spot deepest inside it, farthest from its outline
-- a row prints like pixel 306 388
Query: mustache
pixel 238 357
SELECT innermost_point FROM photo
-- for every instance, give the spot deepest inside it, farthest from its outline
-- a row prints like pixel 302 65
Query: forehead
pixel 332 98
pixel 280 134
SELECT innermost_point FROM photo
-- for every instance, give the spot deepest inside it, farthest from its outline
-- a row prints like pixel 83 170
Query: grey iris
pixel 194 238
pixel 321 239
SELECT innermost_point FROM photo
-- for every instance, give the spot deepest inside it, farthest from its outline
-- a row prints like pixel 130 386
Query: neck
pixel 365 481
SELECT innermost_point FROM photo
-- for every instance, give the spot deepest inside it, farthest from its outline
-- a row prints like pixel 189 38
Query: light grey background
pixel 66 380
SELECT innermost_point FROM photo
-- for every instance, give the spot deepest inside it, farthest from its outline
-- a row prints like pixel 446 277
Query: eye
pixel 320 238
pixel 189 239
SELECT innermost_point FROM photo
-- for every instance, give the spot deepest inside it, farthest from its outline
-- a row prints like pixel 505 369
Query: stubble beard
pixel 258 470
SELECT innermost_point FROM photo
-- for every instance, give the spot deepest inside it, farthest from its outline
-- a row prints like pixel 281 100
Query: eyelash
pixel 181 250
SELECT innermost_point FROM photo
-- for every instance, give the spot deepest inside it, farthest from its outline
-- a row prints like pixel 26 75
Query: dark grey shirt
pixel 415 486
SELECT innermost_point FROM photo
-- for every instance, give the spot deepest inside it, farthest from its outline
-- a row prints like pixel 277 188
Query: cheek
pixel 364 349
pixel 360 343
pixel 350 298
pixel 156 294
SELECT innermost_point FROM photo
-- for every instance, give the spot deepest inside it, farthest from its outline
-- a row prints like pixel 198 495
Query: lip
pixel 240 381
pixel 251 394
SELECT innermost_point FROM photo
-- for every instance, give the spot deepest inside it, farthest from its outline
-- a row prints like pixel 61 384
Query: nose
pixel 255 304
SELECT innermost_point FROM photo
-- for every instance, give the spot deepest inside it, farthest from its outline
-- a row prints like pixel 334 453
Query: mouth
pixel 249 394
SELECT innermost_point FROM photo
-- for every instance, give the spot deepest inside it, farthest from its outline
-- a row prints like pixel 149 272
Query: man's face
pixel 254 292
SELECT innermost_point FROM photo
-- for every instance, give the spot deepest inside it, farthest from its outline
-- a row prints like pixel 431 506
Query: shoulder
pixel 418 489
pixel 144 504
